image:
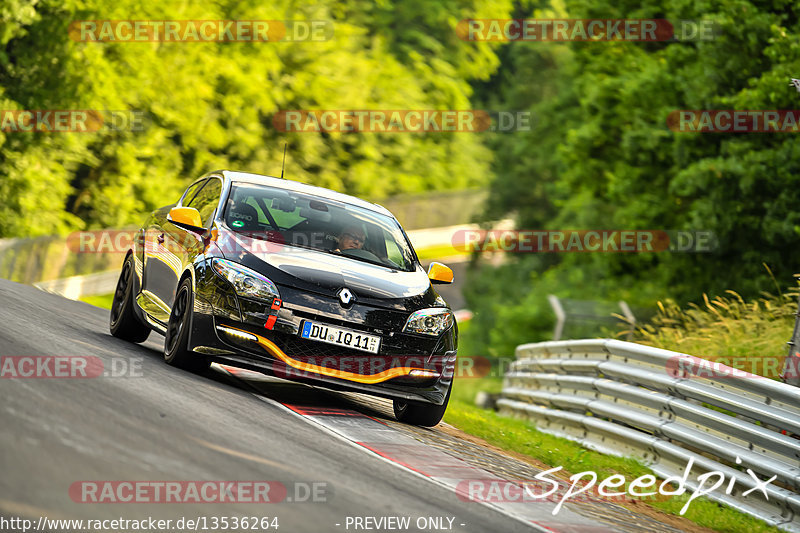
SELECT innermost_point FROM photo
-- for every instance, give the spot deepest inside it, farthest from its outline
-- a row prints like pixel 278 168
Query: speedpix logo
pixel 613 487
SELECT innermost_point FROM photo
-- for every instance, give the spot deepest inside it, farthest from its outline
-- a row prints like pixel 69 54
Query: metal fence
pixel 585 318
pixel 47 258
pixel 668 409
pixel 436 209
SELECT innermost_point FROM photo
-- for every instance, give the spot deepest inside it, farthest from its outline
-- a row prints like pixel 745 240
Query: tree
pixel 210 105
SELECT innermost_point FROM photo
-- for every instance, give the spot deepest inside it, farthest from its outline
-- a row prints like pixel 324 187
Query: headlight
pixel 246 282
pixel 429 321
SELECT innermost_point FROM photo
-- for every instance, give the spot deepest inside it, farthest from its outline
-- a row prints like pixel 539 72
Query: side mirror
pixel 187 218
pixel 439 273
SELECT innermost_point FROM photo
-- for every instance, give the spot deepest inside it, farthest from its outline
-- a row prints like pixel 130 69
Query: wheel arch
pixel 138 273
pixel 188 272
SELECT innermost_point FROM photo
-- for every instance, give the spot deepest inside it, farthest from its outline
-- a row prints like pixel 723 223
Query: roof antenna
pixel 283 165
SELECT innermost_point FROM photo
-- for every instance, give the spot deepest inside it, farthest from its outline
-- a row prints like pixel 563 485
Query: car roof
pixel 296 186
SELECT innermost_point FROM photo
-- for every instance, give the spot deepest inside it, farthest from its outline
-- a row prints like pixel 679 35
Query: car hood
pixel 326 274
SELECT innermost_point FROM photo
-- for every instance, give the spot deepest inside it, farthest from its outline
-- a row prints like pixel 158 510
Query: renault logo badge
pixel 346 297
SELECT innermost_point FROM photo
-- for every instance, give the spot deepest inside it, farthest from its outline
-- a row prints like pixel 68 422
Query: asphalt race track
pixel 158 423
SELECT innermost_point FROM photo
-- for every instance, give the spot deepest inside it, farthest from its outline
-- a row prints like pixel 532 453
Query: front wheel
pixel 421 414
pixel 176 340
pixel 123 322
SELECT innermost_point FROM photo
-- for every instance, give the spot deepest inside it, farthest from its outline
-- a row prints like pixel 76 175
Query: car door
pixel 185 245
pixel 162 259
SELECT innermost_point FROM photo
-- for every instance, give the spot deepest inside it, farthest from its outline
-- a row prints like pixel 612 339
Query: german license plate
pixel 339 336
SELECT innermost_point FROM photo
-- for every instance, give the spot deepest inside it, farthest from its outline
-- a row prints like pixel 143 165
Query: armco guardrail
pixel 45 258
pixel 76 287
pixel 668 409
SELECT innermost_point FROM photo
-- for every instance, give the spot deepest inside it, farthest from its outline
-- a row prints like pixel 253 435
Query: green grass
pixel 438 252
pixel 100 300
pixel 521 436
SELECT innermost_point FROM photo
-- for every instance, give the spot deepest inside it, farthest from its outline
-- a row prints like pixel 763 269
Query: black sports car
pixel 296 281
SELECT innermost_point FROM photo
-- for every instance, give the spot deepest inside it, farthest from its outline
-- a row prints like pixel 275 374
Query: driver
pixel 351 238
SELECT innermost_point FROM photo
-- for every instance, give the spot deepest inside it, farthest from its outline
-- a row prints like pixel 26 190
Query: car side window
pixel 393 252
pixel 190 192
pixel 206 200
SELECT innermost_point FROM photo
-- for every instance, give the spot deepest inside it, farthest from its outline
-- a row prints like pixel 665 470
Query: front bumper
pixel 408 367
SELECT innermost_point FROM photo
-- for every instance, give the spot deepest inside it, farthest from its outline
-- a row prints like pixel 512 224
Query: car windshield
pixel 307 221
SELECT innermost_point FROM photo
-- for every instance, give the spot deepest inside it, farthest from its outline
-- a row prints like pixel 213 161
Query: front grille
pixel 377 321
pixel 297 348
pixel 347 359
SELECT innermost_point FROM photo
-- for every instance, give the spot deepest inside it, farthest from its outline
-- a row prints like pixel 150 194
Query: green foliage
pixel 600 156
pixel 103 301
pixel 518 312
pixel 210 105
pixel 512 314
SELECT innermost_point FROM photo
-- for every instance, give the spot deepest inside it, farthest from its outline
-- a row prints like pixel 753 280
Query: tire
pixel 123 321
pixel 421 414
pixel 176 352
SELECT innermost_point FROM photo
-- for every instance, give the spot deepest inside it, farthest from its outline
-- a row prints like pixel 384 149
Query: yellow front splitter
pixel 380 377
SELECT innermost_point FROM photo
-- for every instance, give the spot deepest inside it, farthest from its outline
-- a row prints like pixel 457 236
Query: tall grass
pixel 747 335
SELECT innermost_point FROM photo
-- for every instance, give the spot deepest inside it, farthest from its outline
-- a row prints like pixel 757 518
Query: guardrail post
pixel 791 365
pixel 791 369
pixel 560 316
pixel 629 317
